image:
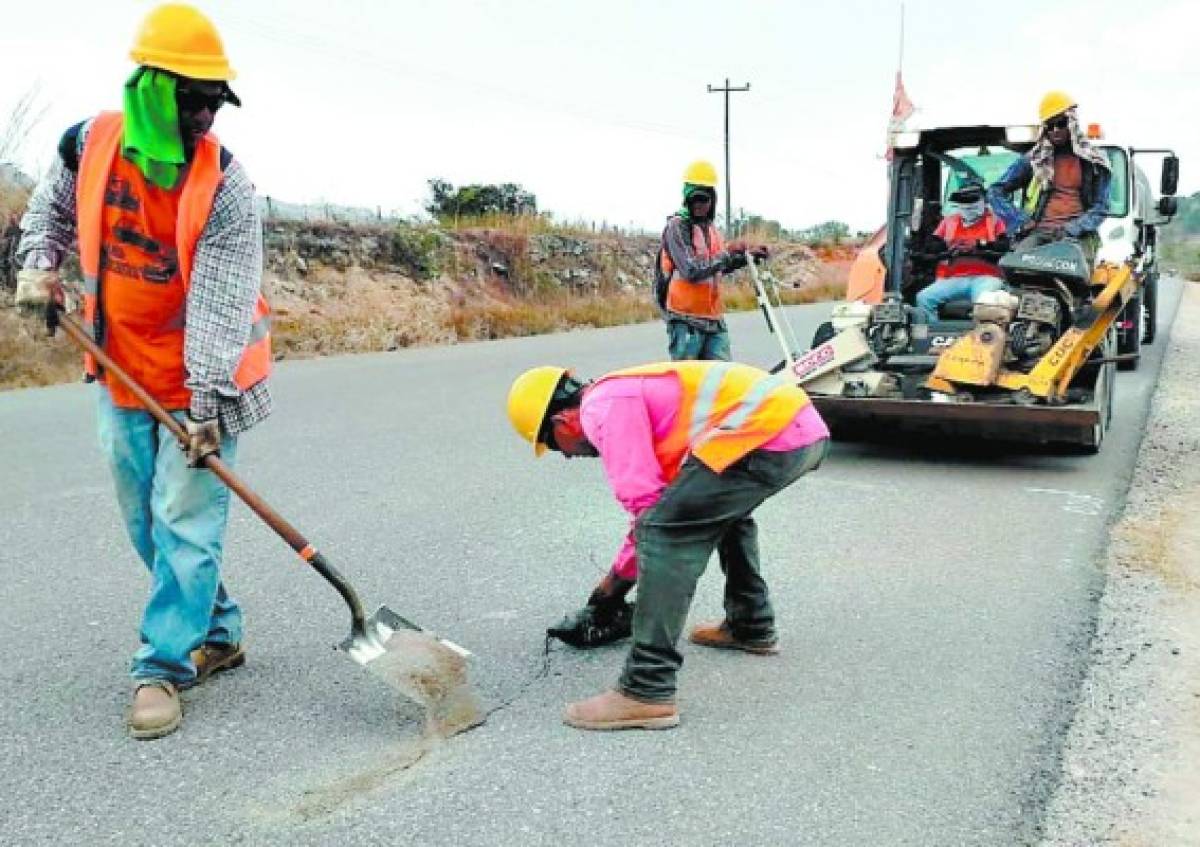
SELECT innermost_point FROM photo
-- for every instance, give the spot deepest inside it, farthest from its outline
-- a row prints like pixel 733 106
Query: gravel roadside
pixel 1131 763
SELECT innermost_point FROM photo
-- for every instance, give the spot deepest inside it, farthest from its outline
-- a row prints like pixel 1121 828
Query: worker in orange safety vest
pixel 689 269
pixel 170 246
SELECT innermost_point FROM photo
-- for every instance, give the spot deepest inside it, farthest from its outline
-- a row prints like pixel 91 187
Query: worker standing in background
pixel 170 244
pixel 689 268
pixel 690 450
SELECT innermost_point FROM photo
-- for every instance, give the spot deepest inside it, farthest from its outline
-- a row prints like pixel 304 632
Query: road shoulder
pixel 1129 772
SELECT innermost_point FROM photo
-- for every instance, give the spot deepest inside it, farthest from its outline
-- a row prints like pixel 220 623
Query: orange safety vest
pixel 726 411
pixel 146 333
pixel 695 299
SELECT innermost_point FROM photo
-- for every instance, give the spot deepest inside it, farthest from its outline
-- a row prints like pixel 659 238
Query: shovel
pixel 423 667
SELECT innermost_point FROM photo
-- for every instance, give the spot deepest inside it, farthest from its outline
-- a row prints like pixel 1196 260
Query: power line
pixel 727 90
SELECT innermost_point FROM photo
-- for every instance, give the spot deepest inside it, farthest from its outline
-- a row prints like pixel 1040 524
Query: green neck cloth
pixel 688 190
pixel 152 138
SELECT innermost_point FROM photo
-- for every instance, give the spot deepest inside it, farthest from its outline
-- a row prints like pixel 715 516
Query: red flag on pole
pixel 902 109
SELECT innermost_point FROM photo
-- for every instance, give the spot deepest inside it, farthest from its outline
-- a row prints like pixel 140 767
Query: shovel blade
pixel 426 669
pixel 372 643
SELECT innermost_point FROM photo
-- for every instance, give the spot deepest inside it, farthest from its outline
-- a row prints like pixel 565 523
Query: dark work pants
pixel 1038 237
pixel 701 511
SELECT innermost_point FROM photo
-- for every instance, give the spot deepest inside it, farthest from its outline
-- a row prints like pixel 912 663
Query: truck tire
pixel 1150 309
pixel 1129 341
pixel 1106 387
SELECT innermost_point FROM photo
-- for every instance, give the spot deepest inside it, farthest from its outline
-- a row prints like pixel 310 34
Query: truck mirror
pixel 1170 175
pixel 1168 206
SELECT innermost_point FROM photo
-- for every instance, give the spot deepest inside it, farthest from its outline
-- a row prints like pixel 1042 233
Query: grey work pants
pixel 702 511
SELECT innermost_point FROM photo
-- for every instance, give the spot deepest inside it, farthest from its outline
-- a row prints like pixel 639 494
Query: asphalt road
pixel 935 604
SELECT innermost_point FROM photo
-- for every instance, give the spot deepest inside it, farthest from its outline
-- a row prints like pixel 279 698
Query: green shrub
pixel 418 248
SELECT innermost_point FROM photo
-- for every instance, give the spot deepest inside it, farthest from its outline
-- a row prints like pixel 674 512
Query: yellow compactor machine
pixel 1033 362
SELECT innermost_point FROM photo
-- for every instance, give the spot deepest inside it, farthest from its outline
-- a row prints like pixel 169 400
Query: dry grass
pixel 501 316
pixel 524 225
pixel 28 357
pixel 354 312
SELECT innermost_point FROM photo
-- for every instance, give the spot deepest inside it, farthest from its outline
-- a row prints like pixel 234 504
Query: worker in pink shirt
pixel 690 449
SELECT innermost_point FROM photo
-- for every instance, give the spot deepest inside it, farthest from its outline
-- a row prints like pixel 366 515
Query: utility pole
pixel 726 90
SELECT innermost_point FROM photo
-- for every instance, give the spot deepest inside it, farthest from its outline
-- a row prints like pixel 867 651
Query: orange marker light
pixel 1094 131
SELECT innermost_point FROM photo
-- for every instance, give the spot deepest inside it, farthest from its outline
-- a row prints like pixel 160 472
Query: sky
pixel 597 107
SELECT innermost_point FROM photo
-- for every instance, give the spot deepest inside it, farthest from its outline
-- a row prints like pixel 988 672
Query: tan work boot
pixel 718 634
pixel 214 658
pixel 613 710
pixel 156 711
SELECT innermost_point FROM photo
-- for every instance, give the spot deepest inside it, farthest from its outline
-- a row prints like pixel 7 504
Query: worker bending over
pixel 690 450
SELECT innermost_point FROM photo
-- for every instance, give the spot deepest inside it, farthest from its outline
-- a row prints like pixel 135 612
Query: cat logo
pixel 941 342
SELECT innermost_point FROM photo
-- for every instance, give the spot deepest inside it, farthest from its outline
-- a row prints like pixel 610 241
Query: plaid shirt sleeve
pixel 48 226
pixel 677 241
pixel 225 283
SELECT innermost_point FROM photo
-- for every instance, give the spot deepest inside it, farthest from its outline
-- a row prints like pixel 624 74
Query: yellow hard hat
pixel 179 38
pixel 529 400
pixel 701 172
pixel 1055 103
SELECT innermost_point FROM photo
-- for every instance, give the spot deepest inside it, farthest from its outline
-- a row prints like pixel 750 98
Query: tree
pixel 446 201
pixel 829 232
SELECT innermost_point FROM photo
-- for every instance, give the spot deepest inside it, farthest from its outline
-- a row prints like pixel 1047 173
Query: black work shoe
pixel 595 626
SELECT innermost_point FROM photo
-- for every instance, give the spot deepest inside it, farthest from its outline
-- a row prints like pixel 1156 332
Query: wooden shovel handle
pixel 213 462
pixel 272 518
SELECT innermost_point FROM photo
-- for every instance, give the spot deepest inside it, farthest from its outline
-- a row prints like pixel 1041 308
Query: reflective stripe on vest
pixel 697 299
pixel 1033 193
pixel 202 179
pixel 726 410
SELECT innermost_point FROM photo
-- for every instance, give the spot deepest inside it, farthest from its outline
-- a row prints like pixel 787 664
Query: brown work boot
pixel 214 658
pixel 718 634
pixel 613 710
pixel 156 711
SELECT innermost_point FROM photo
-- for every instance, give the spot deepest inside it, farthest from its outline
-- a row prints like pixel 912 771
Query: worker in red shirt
pixel 963 276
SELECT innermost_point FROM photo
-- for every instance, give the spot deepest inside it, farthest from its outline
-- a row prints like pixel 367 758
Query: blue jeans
pixel 685 341
pixel 954 288
pixel 175 516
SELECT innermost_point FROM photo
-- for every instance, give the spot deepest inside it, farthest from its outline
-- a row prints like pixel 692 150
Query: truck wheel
pixel 1150 310
pixel 1129 341
pixel 1106 390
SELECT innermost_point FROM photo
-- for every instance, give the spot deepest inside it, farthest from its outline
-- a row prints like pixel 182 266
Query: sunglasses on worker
pixel 1058 123
pixel 193 101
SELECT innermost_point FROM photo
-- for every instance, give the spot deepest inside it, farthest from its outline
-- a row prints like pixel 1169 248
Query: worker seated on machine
pixel 967 244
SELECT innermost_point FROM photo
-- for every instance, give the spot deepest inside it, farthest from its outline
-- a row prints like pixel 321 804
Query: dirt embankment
pixel 340 288
pixel 1131 766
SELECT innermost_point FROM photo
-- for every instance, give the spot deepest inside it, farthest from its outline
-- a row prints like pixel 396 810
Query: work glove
pixel 736 247
pixel 36 288
pixel 760 252
pixel 735 261
pixel 204 439
pixel 595 625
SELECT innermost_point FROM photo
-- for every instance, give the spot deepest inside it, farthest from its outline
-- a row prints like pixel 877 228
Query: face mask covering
pixel 971 212
pixel 568 436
